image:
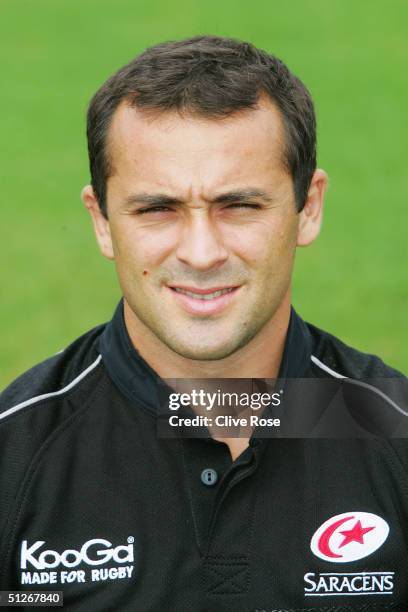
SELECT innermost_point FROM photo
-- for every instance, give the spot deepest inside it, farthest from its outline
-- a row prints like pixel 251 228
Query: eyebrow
pixel 151 199
pixel 162 199
pixel 242 194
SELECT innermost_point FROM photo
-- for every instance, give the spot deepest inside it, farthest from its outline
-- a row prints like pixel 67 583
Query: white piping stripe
pixel 326 368
pixel 380 393
pixel 360 383
pixel 38 398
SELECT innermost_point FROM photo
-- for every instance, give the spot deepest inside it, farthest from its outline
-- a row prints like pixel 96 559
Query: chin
pixel 209 345
pixel 203 353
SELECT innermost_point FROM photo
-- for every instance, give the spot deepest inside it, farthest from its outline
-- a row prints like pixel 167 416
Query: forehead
pixel 174 150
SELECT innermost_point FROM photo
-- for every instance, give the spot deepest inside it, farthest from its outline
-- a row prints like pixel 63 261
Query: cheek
pixel 139 250
pixel 261 244
pixel 245 242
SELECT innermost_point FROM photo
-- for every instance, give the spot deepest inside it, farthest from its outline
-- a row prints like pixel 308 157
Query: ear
pixel 100 222
pixel 310 218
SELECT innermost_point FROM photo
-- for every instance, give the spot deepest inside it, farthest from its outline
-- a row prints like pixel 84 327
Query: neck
pixel 260 358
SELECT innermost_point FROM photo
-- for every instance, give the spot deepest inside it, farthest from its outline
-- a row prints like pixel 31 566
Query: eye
pixel 153 209
pixel 244 205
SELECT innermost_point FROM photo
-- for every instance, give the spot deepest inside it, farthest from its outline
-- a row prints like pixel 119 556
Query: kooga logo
pixel 93 552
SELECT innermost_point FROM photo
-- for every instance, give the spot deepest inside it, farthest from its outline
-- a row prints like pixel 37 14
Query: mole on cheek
pixel 145 273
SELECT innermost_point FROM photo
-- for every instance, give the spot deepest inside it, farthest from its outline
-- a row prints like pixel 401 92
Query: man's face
pixel 202 225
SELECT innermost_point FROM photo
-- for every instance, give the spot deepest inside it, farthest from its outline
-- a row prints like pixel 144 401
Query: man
pixel 204 182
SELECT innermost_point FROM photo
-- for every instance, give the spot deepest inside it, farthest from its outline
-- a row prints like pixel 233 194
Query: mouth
pixel 203 301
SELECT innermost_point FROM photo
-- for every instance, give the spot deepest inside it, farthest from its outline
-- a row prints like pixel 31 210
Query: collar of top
pixel 139 382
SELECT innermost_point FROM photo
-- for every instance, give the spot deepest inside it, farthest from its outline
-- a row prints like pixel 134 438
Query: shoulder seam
pixel 335 374
pixel 38 398
pixel 380 393
pixel 326 368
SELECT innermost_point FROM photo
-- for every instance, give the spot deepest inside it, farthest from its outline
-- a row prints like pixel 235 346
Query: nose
pixel 200 245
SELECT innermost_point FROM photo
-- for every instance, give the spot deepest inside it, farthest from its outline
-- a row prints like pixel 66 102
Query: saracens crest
pixel 349 536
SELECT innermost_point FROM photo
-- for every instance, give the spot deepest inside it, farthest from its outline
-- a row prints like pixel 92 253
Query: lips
pixel 203 296
pixel 203 301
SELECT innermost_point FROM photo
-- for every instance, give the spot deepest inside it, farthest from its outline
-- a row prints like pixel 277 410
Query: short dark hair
pixel 210 76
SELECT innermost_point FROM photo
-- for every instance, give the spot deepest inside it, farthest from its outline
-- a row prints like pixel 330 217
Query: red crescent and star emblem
pixel 349 536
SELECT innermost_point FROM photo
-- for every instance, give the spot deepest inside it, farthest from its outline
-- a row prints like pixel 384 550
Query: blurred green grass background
pixel 353 56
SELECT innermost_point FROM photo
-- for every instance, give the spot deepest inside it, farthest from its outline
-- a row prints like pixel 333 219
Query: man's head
pixel 209 77
pixel 203 171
